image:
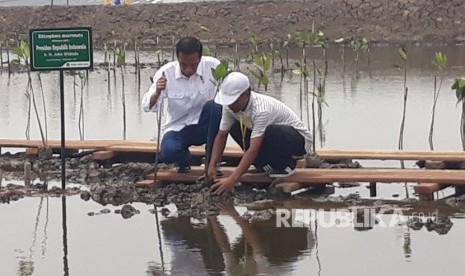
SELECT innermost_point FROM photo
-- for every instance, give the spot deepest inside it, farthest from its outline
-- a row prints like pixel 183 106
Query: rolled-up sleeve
pixel 150 92
pixel 227 120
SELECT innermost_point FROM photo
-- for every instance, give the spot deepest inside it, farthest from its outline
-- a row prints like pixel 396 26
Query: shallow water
pixel 36 233
pixel 364 111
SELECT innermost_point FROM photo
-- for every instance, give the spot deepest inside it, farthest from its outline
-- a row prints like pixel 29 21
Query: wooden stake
pixel 8 57
pixel 27 173
pixel 372 189
pixel 1 55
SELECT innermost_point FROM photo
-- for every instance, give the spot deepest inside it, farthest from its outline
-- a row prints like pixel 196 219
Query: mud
pixel 231 22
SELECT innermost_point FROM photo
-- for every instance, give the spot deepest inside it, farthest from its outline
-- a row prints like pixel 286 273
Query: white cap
pixel 231 88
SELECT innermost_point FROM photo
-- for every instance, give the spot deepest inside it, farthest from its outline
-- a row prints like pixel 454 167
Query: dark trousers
pixel 175 144
pixel 279 144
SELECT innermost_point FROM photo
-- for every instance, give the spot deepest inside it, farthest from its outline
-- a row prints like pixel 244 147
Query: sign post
pixel 59 50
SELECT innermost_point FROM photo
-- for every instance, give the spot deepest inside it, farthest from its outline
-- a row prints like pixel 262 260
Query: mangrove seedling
pixel 440 61
pixel 403 56
pixel 218 73
pixel 121 63
pixel 22 52
pixel 358 45
pixel 459 87
pixel 262 62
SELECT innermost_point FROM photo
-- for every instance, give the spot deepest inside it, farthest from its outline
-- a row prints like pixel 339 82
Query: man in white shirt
pixel 271 134
pixel 187 88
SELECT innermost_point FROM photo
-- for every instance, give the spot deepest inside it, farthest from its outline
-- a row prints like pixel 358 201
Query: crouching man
pixel 271 135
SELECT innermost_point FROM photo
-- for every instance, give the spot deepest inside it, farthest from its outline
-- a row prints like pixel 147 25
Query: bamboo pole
pixel 1 55
pixel 27 173
pixel 8 57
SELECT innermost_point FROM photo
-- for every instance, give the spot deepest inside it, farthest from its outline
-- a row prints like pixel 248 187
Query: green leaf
pixel 18 52
pixel 440 60
pixel 221 70
pixel 302 37
pixel 265 80
pixel 459 87
pixel 24 49
pixel 297 72
pixel 266 62
pixel 120 56
pixel 403 52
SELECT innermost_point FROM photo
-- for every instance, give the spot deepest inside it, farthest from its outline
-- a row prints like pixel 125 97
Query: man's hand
pixel 223 185
pixel 211 175
pixel 161 83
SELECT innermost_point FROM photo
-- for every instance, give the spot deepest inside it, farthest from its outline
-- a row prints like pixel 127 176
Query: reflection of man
pixel 262 249
pixel 193 250
pixel 270 246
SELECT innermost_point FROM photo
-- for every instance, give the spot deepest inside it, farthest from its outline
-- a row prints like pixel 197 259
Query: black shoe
pixel 184 169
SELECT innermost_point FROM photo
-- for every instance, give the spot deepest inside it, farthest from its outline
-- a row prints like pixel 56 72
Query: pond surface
pixel 364 112
pixel 36 235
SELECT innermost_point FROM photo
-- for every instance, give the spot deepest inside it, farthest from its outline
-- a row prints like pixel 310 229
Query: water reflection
pixel 26 263
pixel 260 248
pixel 65 236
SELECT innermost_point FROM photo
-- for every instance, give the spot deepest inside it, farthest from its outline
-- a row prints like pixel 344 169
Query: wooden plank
pixel 336 175
pixel 147 184
pixel 426 191
pixel 103 155
pixel 72 144
pixel 32 151
pixel 329 154
pixel 235 151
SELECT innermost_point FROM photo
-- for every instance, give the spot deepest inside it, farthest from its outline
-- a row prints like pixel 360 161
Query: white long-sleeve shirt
pixel 183 96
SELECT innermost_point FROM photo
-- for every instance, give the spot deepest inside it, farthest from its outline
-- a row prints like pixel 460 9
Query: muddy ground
pixel 425 21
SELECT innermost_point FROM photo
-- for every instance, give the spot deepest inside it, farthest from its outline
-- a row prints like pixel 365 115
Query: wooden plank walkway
pixel 235 152
pixel 307 175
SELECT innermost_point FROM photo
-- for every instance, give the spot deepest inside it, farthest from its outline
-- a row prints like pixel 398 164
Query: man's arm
pixel 217 151
pixel 227 184
pixel 151 97
pixel 248 158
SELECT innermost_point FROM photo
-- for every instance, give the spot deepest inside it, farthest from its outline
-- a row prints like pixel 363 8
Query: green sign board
pixel 61 49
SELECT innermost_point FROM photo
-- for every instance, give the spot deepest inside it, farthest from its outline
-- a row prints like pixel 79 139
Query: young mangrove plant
pixel 459 87
pixel 302 71
pixel 262 62
pixel 440 61
pixel 358 45
pixel 312 38
pixel 121 63
pixel 137 66
pixel 81 105
pixel 403 56
pixel 22 52
pixel 340 42
pixel 218 73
